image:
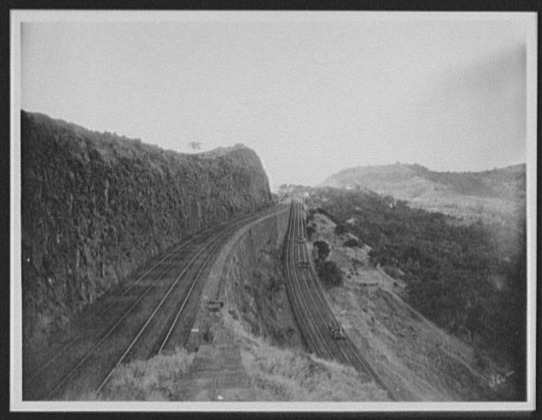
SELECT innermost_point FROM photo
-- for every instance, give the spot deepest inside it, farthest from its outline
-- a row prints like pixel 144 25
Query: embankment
pixel 248 277
pixel 250 349
pixel 95 206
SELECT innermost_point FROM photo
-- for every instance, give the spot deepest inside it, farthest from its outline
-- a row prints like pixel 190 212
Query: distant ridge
pixel 412 181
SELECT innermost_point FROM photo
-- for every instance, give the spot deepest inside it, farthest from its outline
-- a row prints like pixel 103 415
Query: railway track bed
pixel 315 318
pixel 151 312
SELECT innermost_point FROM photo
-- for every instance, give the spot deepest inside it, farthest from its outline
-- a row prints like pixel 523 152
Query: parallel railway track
pixel 310 306
pixel 113 298
pixel 156 310
pixel 136 321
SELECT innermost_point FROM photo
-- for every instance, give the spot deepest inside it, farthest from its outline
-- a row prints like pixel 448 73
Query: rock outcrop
pixel 95 206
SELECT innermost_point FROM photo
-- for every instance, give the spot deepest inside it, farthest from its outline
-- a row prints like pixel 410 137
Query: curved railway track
pixel 108 301
pixel 151 313
pixel 310 306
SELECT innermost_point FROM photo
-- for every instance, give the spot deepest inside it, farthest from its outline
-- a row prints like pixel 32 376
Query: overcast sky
pixel 311 95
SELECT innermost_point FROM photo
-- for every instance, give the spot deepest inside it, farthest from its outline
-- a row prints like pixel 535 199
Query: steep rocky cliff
pixel 96 205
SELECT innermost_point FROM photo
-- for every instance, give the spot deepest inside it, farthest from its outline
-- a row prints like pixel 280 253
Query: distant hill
pixel 415 180
pixel 494 191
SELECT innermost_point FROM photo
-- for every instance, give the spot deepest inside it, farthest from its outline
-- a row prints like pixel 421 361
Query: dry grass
pixel 291 376
pixel 285 375
pixel 151 380
pixel 276 375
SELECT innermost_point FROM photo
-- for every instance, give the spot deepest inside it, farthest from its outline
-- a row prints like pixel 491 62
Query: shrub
pixel 374 258
pixel 323 249
pixel 310 231
pixel 351 243
pixel 330 274
pixel 328 214
pixel 340 229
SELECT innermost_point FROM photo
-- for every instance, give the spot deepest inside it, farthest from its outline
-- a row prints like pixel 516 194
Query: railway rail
pixel 311 309
pixel 151 313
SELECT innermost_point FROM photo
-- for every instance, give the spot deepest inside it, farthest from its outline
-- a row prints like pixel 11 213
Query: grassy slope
pixel 418 358
pixel 276 374
pixel 289 375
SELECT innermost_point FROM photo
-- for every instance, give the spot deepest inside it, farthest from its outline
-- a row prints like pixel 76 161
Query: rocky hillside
pixel 95 206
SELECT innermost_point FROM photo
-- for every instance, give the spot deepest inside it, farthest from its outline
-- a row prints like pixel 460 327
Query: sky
pixel 311 93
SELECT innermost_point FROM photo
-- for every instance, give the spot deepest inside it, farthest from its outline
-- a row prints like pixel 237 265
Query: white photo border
pixel 18 17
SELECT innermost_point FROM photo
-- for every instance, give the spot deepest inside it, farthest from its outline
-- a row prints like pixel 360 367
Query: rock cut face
pixel 97 205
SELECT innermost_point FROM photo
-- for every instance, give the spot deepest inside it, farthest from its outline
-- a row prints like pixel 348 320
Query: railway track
pixel 311 333
pixel 151 313
pixel 311 308
pixel 106 303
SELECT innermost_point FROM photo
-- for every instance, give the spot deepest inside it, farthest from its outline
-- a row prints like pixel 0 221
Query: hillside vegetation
pixel 275 374
pixel 468 279
pixel 95 206
pixel 494 195
pixel 504 183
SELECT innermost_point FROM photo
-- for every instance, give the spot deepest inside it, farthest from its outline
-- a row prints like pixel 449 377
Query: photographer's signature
pixel 499 379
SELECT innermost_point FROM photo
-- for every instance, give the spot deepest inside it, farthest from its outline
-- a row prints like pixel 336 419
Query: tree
pixel 310 231
pixel 340 229
pixel 195 145
pixel 352 243
pixel 323 249
pixel 330 273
